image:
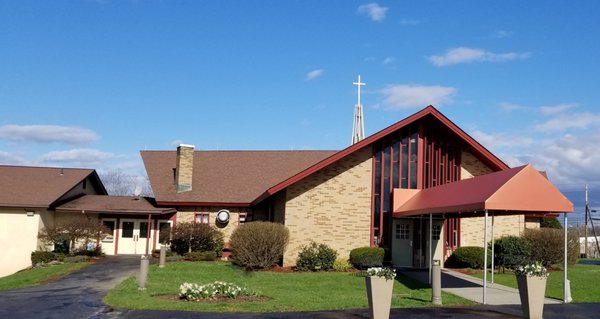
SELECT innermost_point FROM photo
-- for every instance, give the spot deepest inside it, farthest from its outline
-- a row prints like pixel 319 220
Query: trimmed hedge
pixel 44 257
pixel 468 257
pixel 511 252
pixel 258 244
pixel 365 257
pixel 316 257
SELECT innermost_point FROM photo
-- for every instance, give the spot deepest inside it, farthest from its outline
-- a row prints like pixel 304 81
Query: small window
pixel 245 217
pixel 436 230
pixel 402 231
pixel 202 218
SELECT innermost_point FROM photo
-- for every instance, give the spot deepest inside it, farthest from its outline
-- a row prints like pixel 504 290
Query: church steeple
pixel 358 127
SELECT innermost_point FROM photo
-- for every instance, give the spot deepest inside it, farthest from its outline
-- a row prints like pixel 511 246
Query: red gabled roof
pixel 520 189
pixel 481 152
pixel 24 186
pixel 225 178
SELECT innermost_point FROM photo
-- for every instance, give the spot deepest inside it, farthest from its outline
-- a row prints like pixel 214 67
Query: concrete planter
pixel 379 293
pixel 532 291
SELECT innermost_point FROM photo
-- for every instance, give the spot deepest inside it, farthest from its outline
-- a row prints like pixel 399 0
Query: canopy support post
pixel 566 285
pixel 493 215
pixel 485 256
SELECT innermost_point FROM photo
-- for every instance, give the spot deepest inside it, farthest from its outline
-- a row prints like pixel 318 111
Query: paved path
pixel 78 295
pixel 471 288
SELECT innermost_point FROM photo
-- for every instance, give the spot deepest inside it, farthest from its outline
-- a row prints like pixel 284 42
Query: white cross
pixel 359 85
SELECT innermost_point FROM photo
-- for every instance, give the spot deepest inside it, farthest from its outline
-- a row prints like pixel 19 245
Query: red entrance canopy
pixel 519 189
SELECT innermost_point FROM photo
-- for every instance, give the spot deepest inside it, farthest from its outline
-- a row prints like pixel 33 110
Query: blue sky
pixel 91 83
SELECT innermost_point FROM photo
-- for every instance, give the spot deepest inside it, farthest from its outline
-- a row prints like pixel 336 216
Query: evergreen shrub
pixel 315 257
pixel 366 257
pixel 468 257
pixel 511 252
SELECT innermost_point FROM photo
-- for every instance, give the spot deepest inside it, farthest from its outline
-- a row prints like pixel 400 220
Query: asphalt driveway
pixel 78 295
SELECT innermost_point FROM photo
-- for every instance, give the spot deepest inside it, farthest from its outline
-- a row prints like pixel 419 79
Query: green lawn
pixel 36 276
pixel 289 291
pixel 584 279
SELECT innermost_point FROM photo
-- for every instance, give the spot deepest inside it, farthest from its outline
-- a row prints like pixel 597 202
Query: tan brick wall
pixel 332 206
pixel 471 166
pixel 186 214
pixel 472 232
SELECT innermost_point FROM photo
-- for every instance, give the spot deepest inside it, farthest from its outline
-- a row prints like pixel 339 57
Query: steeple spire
pixel 358 127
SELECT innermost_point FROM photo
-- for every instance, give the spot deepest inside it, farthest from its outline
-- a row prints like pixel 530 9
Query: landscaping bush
pixel 365 257
pixel 76 259
pixel 547 246
pixel 168 253
pixel 511 252
pixel 96 252
pixel 44 257
pixel 258 244
pixel 468 257
pixel 201 256
pixel 341 265
pixel 549 222
pixel 189 237
pixel 316 257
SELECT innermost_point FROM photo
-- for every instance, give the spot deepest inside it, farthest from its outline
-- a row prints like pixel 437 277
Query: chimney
pixel 184 168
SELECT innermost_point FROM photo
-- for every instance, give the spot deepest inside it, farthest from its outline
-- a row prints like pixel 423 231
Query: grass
pixel 584 282
pixel 299 291
pixel 37 276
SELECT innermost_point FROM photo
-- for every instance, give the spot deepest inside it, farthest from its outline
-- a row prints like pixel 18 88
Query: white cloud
pixel 7 158
pixel 388 60
pixel 80 156
pixel 509 107
pixel 569 159
pixel 467 55
pixel 313 74
pixel 496 141
pixel 501 34
pixel 401 96
pixel 374 11
pixel 555 109
pixel 47 134
pixel 563 122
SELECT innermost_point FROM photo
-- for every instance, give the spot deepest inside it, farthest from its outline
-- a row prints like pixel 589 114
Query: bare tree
pixel 80 230
pixel 118 183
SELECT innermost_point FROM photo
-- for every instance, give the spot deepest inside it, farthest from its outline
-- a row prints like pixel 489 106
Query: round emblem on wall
pixel 223 216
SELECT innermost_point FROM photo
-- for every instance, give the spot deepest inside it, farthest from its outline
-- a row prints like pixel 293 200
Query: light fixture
pixel 223 216
pixel 30 213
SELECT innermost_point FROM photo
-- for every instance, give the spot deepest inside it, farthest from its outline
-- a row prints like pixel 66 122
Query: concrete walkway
pixel 471 288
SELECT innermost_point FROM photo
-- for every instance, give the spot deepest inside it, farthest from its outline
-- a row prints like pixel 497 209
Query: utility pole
pixel 586 221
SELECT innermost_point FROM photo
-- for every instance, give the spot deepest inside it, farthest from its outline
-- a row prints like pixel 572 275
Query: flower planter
pixel 379 293
pixel 532 290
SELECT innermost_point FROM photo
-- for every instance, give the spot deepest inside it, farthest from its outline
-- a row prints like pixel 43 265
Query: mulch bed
pixel 217 299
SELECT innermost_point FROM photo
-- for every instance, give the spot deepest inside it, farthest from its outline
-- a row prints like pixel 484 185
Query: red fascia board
pixel 203 204
pixel 373 138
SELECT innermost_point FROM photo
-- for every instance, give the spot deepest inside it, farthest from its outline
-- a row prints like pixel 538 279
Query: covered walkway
pixel 469 287
pixel 516 191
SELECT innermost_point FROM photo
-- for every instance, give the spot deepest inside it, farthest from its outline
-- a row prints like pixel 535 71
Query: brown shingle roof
pixel 114 204
pixel 233 177
pixel 22 186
